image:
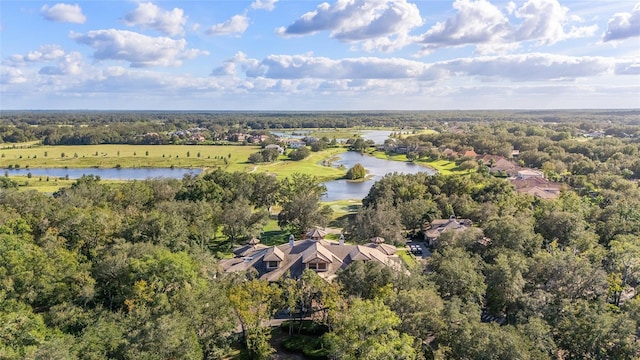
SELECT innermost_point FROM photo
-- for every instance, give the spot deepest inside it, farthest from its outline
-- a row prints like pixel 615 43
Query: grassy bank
pixel 228 157
pixel 445 167
pixel 48 184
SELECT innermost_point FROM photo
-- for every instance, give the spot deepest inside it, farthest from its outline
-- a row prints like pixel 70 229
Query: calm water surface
pixel 377 168
pixel 378 136
pixel 336 190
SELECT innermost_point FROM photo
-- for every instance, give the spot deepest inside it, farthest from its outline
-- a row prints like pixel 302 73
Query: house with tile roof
pixel 438 226
pixel 314 252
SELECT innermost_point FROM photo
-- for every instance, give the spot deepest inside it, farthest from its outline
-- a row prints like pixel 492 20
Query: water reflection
pixel 377 168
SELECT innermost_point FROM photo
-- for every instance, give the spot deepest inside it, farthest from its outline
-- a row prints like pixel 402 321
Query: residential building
pixel 313 252
pixel 439 226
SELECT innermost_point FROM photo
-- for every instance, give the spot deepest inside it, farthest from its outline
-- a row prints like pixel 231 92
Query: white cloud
pixel 268 5
pixel 63 13
pixel 482 24
pixel 628 68
pixel 151 16
pixel 382 25
pixel 528 67
pixel 623 25
pixel 236 25
pixel 476 22
pixel 70 64
pixel 138 49
pixel 11 75
pixel 544 21
pixel 516 68
pixel 44 53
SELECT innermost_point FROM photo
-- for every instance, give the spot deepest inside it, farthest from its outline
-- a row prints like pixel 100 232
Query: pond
pixel 109 174
pixel 336 190
pixel 378 136
pixel 376 168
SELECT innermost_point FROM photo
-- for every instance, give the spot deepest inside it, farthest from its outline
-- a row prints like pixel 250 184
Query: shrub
pixel 299 154
pixel 356 172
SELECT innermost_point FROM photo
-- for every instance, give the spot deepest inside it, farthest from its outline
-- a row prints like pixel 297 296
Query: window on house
pixel 317 266
pixel 272 264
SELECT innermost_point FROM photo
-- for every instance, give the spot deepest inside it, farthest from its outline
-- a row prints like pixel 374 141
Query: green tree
pixel 254 302
pixel 458 274
pixel 356 172
pixel 300 153
pixel 300 197
pixel 240 221
pixel 367 329
pixel 365 279
pixel 505 283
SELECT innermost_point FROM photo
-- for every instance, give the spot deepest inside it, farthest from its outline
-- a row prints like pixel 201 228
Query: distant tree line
pixel 97 127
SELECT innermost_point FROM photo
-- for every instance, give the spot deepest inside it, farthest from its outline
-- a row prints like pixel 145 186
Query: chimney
pixel 341 240
pixel 291 240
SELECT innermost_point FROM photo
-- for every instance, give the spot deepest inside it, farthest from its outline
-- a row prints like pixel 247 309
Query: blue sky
pixel 313 55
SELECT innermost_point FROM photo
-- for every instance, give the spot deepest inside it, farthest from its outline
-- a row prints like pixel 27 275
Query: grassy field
pixel 445 167
pixel 228 157
pixel 41 184
pixel 127 156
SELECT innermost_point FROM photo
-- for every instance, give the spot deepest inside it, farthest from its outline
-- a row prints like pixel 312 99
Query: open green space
pixel 444 167
pixel 228 157
pixel 310 166
pixel 128 156
pixel 46 184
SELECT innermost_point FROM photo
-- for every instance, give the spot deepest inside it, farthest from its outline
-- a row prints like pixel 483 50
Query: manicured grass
pixel 21 145
pixel 444 167
pixel 310 166
pixel 227 157
pixel 272 234
pixel 129 156
pixel 40 183
pixel 407 258
pixel 343 207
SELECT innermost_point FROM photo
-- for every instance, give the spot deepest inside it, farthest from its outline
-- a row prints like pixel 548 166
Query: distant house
pixel 449 153
pixel 439 226
pixel 237 137
pixel 257 138
pixel 197 137
pixel 470 154
pixel 529 173
pixel 297 144
pixel 504 166
pixel 537 186
pixel 277 147
pixel 489 159
pixel 314 252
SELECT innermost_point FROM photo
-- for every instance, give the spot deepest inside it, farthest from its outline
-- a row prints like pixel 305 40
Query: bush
pixel 356 172
pixel 310 346
pixel 299 154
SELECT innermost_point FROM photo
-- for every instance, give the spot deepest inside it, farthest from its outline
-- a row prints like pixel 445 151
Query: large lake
pixel 376 168
pixel 109 174
pixel 336 190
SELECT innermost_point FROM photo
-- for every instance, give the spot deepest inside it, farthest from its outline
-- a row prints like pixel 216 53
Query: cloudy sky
pixel 312 55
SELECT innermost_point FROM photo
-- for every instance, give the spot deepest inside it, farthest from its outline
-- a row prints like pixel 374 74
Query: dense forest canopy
pixel 130 271
pixel 97 127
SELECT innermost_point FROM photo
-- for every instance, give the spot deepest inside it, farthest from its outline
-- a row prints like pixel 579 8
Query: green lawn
pixel 444 167
pixel 128 156
pixel 408 258
pixel 40 183
pixel 310 166
pixel 227 157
